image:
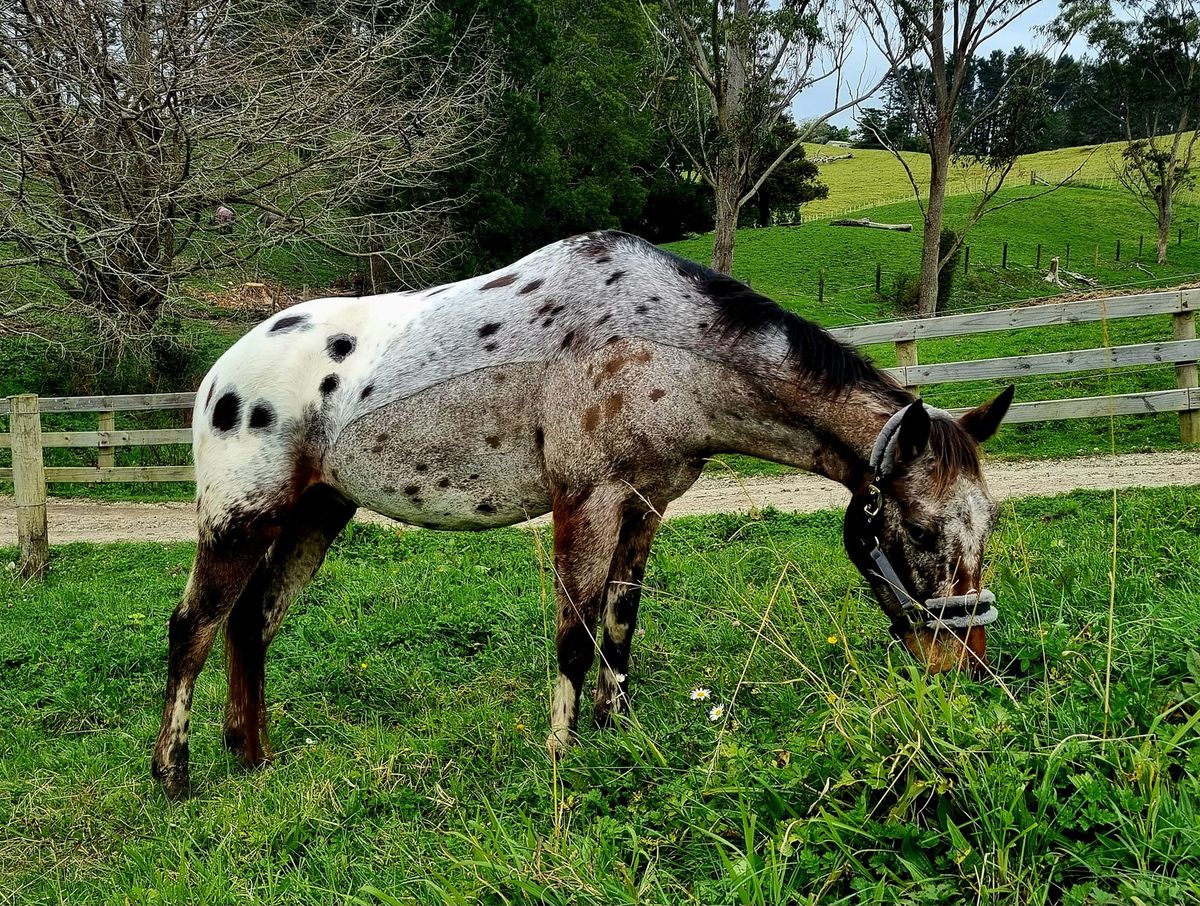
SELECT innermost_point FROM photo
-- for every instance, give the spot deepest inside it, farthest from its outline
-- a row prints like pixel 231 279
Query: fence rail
pixel 27 440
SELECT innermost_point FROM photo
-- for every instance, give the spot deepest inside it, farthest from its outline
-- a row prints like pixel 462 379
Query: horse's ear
pixel 914 433
pixel 983 421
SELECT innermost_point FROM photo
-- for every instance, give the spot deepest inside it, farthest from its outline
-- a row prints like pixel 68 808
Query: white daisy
pixel 699 695
pixel 716 712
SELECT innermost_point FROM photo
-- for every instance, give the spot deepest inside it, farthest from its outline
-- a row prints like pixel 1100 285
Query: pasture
pixel 874 177
pixel 408 693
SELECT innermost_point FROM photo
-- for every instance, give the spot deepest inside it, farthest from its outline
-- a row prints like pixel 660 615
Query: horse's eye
pixel 918 534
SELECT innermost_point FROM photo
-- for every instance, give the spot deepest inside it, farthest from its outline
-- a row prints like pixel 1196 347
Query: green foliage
pixel 574 142
pixel 949 253
pixel 906 293
pixel 790 185
pixel 408 694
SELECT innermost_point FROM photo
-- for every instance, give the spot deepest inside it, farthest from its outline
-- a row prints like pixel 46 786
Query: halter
pixel 949 612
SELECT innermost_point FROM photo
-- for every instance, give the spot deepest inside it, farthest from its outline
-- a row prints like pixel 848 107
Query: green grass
pixel 874 177
pixel 408 693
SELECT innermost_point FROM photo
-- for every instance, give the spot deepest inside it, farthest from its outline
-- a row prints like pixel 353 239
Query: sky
pixel 818 99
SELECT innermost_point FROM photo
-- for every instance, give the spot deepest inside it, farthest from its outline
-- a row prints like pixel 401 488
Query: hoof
pixel 249 756
pixel 174 781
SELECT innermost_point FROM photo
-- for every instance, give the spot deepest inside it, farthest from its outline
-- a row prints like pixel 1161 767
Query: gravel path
pixel 90 520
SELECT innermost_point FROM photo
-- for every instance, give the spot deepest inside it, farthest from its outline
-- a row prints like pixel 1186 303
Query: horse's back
pixel 428 406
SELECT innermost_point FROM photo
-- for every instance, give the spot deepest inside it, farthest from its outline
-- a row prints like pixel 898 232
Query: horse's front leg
pixel 620 611
pixel 587 523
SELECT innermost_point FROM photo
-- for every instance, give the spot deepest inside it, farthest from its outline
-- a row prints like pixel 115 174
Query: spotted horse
pixel 591 379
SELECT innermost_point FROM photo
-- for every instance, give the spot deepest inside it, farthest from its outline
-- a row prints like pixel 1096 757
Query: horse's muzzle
pixel 949 632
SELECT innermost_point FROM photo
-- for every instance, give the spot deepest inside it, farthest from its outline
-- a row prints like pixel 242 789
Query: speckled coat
pixel 590 379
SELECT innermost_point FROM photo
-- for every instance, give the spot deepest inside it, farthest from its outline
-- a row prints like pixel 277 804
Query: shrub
pixel 946 277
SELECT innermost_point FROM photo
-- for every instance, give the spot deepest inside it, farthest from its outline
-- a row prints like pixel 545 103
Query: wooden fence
pixel 27 439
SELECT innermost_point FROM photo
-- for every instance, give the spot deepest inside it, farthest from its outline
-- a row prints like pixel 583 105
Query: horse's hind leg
pixel 622 596
pixel 290 564
pixel 224 564
pixel 586 526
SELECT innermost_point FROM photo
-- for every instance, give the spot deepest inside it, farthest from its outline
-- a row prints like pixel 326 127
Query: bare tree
pixel 1150 81
pixel 733 69
pixel 934 43
pixel 125 126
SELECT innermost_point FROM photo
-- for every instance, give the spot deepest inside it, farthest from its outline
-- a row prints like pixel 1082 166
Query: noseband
pixel 950 612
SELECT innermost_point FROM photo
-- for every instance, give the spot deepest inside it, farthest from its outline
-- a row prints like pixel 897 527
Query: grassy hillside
pixel 876 177
pixel 408 697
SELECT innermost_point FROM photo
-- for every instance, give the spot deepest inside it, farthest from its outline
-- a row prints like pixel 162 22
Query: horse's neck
pixel 798 424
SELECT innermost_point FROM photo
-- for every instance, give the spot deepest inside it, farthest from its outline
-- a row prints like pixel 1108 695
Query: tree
pixel 793 182
pixel 733 69
pixel 575 146
pixel 1150 80
pixel 959 104
pixel 125 126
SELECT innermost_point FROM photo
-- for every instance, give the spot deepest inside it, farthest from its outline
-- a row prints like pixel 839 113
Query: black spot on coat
pixel 488 329
pixel 291 322
pixel 366 391
pixel 329 384
pixel 530 286
pixel 227 412
pixel 339 346
pixel 262 415
pixel 616 275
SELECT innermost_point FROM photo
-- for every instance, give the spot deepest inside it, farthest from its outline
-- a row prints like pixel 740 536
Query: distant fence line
pixel 27 440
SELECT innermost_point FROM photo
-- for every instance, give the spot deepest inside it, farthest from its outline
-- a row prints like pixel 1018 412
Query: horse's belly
pixel 464 454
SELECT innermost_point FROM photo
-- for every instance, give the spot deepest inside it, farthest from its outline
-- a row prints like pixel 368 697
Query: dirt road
pixel 88 520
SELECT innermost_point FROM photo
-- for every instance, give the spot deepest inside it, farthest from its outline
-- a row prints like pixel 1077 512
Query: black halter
pixel 950 612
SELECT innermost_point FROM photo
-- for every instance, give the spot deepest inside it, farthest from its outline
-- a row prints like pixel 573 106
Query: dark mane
pixel 742 312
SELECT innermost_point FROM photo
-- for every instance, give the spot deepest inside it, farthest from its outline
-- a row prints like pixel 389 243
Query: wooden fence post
pixel 1067 263
pixel 906 355
pixel 1039 257
pixel 878 275
pixel 1118 249
pixel 29 484
pixel 1004 258
pixel 966 258
pixel 106 458
pixel 1186 375
pixel 1141 245
pixel 821 287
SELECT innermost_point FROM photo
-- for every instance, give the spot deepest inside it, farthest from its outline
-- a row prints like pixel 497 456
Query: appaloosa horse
pixel 591 379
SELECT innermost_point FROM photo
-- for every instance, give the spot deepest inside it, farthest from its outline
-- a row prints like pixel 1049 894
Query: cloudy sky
pixel 1023 31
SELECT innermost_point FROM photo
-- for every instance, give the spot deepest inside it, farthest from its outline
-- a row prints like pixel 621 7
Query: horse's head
pixel 917 531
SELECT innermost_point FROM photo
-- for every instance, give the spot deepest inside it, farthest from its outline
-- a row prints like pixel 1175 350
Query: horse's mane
pixel 817 356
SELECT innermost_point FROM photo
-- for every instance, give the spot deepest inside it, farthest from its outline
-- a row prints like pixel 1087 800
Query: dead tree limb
pixel 871 224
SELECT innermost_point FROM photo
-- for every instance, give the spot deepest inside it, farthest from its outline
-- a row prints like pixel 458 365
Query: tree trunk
pixel 939 168
pixel 1164 224
pixel 764 209
pixel 728 190
pixel 726 194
